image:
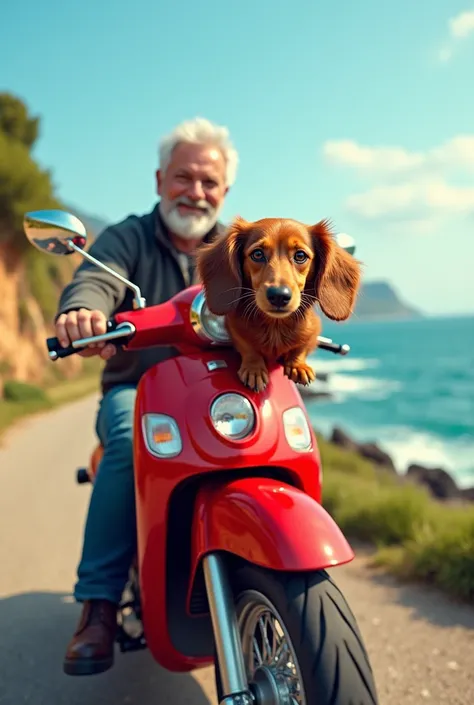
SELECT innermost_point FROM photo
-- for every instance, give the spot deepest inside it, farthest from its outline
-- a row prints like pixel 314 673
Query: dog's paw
pixel 254 376
pixel 300 373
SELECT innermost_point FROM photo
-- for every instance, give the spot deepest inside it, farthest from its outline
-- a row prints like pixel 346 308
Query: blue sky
pixel 357 111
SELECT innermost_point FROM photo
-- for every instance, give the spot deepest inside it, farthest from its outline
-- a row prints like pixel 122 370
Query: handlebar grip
pixel 114 334
pixel 56 350
pixel 334 347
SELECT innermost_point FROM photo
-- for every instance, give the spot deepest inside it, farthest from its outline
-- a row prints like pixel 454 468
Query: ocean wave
pixel 407 446
pixel 341 386
pixel 354 364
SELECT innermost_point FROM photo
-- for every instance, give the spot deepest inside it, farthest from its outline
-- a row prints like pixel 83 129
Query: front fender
pixel 268 523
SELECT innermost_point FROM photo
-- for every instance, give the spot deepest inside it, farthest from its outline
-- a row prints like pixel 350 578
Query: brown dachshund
pixel 266 277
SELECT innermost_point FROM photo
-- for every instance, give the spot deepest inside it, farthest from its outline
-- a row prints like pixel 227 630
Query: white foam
pixel 354 364
pixel 341 386
pixel 407 446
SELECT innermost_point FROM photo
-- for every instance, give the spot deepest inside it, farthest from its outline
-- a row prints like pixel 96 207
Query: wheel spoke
pixel 257 652
pixel 281 654
pixel 267 648
pixel 271 654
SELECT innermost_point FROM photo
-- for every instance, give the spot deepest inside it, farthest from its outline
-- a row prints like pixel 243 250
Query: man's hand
pixel 83 324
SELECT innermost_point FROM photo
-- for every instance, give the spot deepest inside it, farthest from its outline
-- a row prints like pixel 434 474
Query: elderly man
pixel 198 165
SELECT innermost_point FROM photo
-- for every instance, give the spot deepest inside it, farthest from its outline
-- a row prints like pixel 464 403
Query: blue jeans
pixel 110 536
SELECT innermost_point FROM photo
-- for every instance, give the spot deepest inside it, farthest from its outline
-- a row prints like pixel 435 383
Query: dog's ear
pixel 336 277
pixel 219 267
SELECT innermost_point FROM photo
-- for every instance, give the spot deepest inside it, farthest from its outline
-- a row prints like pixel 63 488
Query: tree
pixel 24 185
pixel 15 121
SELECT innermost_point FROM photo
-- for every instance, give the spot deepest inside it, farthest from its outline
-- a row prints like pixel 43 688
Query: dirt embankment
pixel 29 290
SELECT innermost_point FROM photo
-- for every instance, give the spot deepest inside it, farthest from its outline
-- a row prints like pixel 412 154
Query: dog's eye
pixel 258 255
pixel 300 257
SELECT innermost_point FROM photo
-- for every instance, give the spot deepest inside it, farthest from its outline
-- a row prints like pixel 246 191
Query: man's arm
pixel 93 294
pixel 94 289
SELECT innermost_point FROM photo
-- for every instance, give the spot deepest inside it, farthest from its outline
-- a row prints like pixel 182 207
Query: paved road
pixel 421 645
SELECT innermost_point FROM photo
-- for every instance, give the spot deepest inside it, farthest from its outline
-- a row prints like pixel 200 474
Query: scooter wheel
pixel 300 641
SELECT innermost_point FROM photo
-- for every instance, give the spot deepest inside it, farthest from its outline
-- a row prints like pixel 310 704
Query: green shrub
pixel 417 537
pixel 383 514
pixel 443 555
pixel 20 392
pixel 337 459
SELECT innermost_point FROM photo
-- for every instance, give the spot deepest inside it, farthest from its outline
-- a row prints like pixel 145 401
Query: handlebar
pixel 126 330
pixel 56 350
pixel 336 348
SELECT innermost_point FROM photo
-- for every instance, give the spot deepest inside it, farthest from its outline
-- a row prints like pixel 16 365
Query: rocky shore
pixel 438 481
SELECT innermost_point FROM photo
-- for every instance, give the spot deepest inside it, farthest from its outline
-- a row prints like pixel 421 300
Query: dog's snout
pixel 279 296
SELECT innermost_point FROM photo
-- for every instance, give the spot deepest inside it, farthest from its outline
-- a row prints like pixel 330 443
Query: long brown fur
pixel 235 286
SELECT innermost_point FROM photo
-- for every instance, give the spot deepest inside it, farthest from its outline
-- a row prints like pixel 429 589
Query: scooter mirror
pixel 347 242
pixel 52 231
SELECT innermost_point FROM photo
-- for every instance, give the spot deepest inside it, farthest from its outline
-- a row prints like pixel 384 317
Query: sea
pixel 407 385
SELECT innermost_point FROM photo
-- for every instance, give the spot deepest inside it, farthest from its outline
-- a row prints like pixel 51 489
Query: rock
pixel 379 457
pixel 467 494
pixel 313 393
pixel 370 451
pixel 439 482
pixel 343 440
pixel 316 391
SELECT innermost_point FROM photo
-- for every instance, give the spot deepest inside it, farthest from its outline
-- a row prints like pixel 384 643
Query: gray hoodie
pixel 138 248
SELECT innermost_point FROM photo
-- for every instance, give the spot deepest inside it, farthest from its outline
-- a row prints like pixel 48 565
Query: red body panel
pixel 268 523
pixel 168 323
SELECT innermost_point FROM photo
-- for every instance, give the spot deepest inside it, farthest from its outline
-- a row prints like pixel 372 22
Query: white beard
pixel 192 226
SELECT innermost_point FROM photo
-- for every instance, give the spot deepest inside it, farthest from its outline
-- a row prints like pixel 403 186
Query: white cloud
pixel 460 28
pixel 421 189
pixel 385 159
pixel 456 153
pixel 408 200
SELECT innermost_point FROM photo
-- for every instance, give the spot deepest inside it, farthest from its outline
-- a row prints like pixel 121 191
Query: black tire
pixel 332 658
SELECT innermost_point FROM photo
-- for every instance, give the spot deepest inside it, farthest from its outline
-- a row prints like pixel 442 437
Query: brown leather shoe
pixel 91 649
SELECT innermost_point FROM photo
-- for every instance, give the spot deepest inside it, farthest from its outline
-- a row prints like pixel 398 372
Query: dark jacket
pixel 139 248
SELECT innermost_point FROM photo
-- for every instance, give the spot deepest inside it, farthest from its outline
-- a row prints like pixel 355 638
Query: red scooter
pixel 233 543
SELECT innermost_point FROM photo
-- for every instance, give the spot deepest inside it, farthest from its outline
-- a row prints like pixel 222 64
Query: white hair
pixel 201 131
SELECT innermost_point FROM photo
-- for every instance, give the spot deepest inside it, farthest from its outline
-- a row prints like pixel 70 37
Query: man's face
pixel 192 189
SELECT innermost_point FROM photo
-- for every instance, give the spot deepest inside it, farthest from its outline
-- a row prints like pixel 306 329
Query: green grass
pixel 22 399
pixel 416 537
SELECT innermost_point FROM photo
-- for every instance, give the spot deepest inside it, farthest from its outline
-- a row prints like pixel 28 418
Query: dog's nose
pixel 279 296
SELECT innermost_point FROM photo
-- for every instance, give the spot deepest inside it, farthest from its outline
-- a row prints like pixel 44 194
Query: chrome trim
pixel 195 315
pixel 123 330
pixel 240 699
pixel 226 632
pixel 138 300
pixel 216 365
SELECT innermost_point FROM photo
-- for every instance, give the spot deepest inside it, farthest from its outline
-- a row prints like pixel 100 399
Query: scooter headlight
pixel 232 416
pixel 297 430
pixel 206 324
